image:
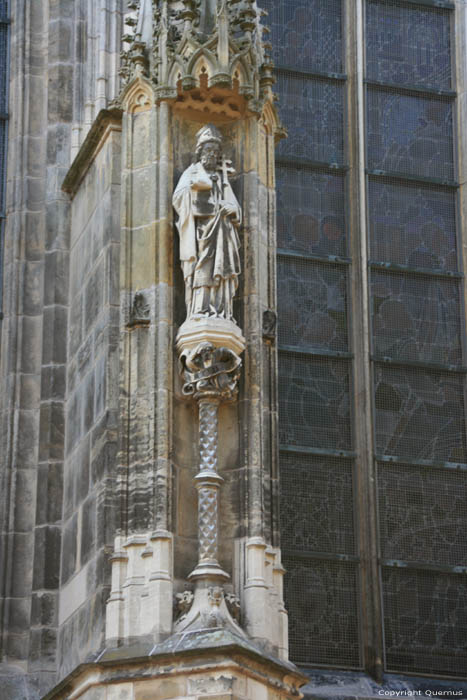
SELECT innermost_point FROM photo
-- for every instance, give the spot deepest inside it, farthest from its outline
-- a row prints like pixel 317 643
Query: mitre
pixel 208 133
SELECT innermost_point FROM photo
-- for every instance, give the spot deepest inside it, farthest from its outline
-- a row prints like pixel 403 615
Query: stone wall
pixel 90 512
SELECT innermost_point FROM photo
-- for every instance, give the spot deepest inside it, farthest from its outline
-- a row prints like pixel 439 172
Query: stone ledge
pixel 105 120
pixel 185 660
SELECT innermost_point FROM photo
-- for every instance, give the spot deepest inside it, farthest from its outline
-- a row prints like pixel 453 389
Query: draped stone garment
pixel 209 242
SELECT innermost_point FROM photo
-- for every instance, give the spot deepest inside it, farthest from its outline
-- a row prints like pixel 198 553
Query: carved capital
pixel 211 372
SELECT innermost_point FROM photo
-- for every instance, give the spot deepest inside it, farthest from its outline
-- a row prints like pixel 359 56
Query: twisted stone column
pixel 211 374
pixel 208 482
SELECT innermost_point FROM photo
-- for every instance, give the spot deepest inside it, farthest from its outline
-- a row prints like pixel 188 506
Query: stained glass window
pixel 410 134
pixel 419 411
pixel 408 44
pixel 415 353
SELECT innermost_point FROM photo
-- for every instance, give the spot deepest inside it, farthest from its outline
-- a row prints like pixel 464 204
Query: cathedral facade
pixel 233 356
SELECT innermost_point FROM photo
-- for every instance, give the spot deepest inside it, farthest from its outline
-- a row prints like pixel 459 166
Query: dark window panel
pixel 312 111
pixel 310 215
pixel 3 134
pixel 412 225
pixel 416 318
pixel 425 622
pixel 314 402
pixel 410 134
pixel 408 45
pixel 312 304
pixel 422 514
pixel 3 63
pixel 316 504
pixel 306 34
pixel 420 414
pixel 322 602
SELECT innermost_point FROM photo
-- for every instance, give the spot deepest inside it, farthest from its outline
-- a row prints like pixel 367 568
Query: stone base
pixel 203 665
pixel 218 331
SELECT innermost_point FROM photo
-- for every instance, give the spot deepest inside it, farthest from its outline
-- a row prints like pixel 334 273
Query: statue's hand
pixel 228 209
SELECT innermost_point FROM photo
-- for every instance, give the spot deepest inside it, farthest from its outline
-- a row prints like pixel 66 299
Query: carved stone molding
pixel 200 54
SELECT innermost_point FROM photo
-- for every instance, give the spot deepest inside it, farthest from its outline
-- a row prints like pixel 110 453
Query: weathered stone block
pixel 25 489
pixel 21 576
pixel 31 352
pixel 73 420
pixel 80 469
pixel 19 615
pixel 44 611
pixel 53 382
pixel 28 438
pixel 60 101
pixel 88 529
pixel 43 647
pixel 52 431
pixel 58 224
pixel 49 493
pixel 94 295
pixel 46 570
pixel 88 401
pixel 56 278
pixel 69 549
pixel 55 334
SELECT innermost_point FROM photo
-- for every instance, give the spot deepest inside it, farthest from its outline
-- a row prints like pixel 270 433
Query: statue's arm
pixel 233 205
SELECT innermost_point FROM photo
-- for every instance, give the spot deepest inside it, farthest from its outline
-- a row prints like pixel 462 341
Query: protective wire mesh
pixel 322 601
pixel 412 225
pixel 312 304
pixel 409 134
pixel 408 45
pixel 3 133
pixel 416 317
pixel 310 215
pixel 306 34
pixel 317 504
pixel 312 110
pixel 425 621
pixel 419 414
pixel 3 66
pixel 314 402
pixel 422 514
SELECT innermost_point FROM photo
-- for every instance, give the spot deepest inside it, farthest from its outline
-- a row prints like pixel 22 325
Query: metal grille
pixel 3 134
pixel 314 401
pixel 310 207
pixel 3 64
pixel 317 504
pixel 408 45
pixel 312 111
pixel 416 318
pixel 410 134
pixel 312 304
pixel 306 34
pixel 422 514
pixel 425 618
pixel 412 225
pixel 419 414
pixel 322 601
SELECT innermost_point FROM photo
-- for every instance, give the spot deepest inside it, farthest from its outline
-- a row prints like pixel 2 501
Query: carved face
pixel 210 155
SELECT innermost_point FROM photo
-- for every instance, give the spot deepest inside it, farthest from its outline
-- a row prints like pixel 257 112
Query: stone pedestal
pixel 221 333
pixel 214 664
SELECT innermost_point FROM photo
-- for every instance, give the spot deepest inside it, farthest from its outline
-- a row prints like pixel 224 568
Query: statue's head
pixel 209 147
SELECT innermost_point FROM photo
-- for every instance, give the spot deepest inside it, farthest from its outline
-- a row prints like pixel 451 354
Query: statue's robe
pixel 209 242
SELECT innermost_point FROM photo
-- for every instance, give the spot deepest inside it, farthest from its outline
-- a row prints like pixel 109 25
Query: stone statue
pixel 208 219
